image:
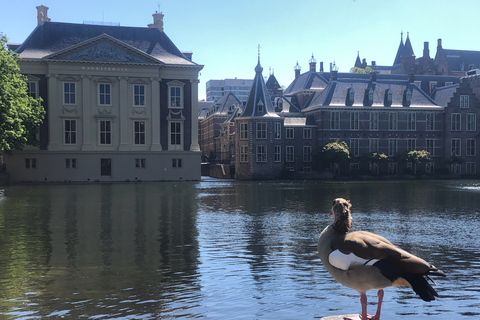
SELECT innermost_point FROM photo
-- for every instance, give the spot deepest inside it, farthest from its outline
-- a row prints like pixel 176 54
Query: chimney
pixel 439 44
pixel 42 15
pixel 334 75
pixel 411 77
pixel 374 64
pixel 426 51
pixel 157 21
pixel 297 70
pixel 313 64
pixel 321 66
pixel 373 76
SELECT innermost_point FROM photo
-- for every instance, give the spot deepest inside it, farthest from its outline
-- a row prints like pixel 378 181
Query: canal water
pixel 221 249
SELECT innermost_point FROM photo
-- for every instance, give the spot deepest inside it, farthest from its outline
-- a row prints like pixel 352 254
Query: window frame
pixel 393 121
pixel 139 135
pixel 456 147
pixel 261 130
pixel 289 133
pixel 456 122
pixel 471 122
pixel 69 134
pixel 307 153
pixel 289 154
pixel 334 120
pixel 354 120
pixel 139 98
pixel 374 120
pixel 430 121
pixel 411 121
pixel 261 153
pixel 464 100
pixel 470 145
pixel 105 136
pixel 71 94
pixel 244 154
pixel 104 98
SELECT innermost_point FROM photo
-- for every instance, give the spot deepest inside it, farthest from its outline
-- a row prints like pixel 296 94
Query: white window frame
pixel 244 154
pixel 354 120
pixel 176 94
pixel 471 147
pixel 175 135
pixel 289 133
pixel 139 134
pixel 69 93
pixel 69 134
pixel 307 154
pixel 393 121
pixel 289 154
pixel 105 133
pixel 335 120
pixel 430 121
pixel 430 146
pixel 243 130
pixel 261 154
pixel 456 122
pixel 456 147
pixel 32 88
pixel 432 85
pixel 471 122
pixel 411 144
pixel 278 130
pixel 355 146
pixel 464 101
pixel 261 130
pixel 139 95
pixel 471 168
pixel 104 97
pixel 411 121
pixel 307 133
pixel 374 120
pixel 278 153
pixel 373 145
pixel 392 147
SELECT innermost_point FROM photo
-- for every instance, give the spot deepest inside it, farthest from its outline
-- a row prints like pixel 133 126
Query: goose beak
pixel 331 214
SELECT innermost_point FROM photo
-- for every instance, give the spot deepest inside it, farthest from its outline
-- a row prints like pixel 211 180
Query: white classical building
pixel 121 104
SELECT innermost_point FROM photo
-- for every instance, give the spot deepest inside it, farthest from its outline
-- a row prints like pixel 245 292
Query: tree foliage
pixel 20 114
pixel 361 70
pixel 418 156
pixel 333 152
pixel 376 157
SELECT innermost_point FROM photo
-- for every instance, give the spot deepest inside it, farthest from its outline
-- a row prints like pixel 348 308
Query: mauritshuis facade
pixel 121 104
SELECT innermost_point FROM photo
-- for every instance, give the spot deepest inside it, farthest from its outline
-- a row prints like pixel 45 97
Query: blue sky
pixel 224 34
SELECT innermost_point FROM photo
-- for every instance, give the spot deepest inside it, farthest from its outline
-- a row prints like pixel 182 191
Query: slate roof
pixel 308 81
pixel 272 83
pixel 259 103
pixel 462 60
pixel 443 95
pixel 52 37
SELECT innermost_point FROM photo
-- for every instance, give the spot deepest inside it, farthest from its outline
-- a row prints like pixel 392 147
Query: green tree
pixel 361 70
pixel 20 114
pixel 418 156
pixel 332 154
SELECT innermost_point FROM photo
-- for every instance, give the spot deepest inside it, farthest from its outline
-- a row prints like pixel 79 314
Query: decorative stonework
pixel 70 109
pixel 103 52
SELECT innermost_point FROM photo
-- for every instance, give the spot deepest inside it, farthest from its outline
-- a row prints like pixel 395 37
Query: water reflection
pixel 223 249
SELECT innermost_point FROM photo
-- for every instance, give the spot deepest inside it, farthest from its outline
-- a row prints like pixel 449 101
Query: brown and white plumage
pixel 364 261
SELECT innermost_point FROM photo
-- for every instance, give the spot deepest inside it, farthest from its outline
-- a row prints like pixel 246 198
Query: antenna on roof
pixel 259 52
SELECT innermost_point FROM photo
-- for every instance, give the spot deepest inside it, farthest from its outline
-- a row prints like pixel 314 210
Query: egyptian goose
pixel 364 261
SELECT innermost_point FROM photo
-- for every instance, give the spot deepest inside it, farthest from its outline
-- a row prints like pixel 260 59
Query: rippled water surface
pixel 219 249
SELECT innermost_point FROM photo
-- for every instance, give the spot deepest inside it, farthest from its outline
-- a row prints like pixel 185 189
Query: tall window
pixel 139 95
pixel 261 153
pixel 289 154
pixel 278 130
pixel 104 94
pixel 32 89
pixel 392 121
pixel 392 147
pixel 335 120
pixel 471 150
pixel 430 121
pixel 70 136
pixel 175 134
pixel 456 122
pixel 411 121
pixel 354 146
pixel 105 132
pixel 470 168
pixel 354 120
pixel 278 153
pixel 307 133
pixel 289 133
pixel 411 144
pixel 175 97
pixel 307 153
pixel 373 145
pixel 243 153
pixel 464 101
pixel 471 122
pixel 243 131
pixel 373 120
pixel 69 93
pixel 139 132
pixel 456 147
pixel 430 146
pixel 261 130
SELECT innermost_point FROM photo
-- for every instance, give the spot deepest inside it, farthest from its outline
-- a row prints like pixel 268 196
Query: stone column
pixel 194 118
pixel 156 145
pixel 86 114
pixel 123 106
pixel 55 125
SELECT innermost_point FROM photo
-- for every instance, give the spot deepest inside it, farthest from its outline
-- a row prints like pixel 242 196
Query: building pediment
pixel 103 48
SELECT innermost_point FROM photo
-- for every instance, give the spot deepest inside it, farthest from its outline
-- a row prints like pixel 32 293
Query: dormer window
pixel 260 106
pixel 389 95
pixel 350 97
pixel 370 95
pixel 408 96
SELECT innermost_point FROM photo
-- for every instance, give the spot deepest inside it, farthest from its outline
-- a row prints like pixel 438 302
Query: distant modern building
pixel 216 89
pixel 121 104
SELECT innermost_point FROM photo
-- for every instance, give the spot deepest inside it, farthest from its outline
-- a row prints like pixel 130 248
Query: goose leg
pixel 379 305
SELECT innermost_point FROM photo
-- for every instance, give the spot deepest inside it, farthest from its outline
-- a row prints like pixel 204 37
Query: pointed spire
pixel 399 51
pixel 407 50
pixel 258 68
pixel 358 62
